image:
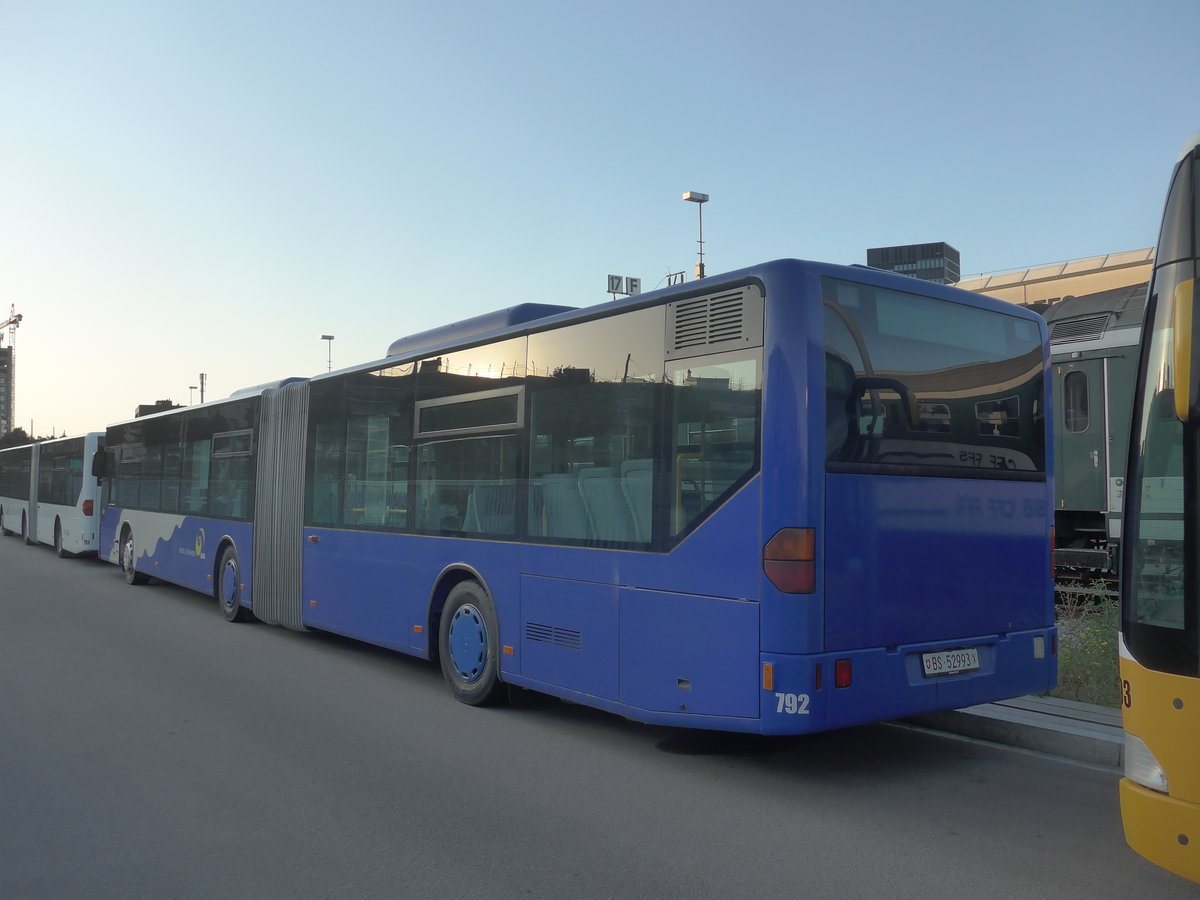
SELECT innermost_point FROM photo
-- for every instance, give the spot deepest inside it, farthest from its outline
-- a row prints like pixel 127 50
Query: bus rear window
pixel 914 384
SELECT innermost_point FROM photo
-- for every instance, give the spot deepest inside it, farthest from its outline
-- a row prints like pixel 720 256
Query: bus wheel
pixel 132 575
pixel 58 544
pixel 469 645
pixel 7 532
pixel 229 587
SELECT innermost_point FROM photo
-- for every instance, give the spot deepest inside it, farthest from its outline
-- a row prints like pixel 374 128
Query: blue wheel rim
pixel 468 640
pixel 229 594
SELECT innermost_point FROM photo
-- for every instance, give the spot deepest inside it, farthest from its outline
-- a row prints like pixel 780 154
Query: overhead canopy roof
pixel 1040 284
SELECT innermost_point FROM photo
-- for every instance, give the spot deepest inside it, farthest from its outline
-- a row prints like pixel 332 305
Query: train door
pixel 1081 450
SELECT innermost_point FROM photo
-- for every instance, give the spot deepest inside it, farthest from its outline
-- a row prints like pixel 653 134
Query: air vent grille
pixel 1081 558
pixel 1078 329
pixel 715 322
pixel 551 634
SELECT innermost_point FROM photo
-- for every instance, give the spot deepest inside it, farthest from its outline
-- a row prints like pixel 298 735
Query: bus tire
pixel 469 645
pixel 132 575
pixel 7 532
pixel 58 544
pixel 229 587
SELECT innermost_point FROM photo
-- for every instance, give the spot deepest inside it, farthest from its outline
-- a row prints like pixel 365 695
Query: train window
pixel 1075 402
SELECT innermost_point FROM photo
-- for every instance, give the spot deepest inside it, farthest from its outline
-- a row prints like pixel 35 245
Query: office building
pixel 929 262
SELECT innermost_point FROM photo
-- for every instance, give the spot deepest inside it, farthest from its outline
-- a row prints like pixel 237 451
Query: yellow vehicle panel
pixel 1164 711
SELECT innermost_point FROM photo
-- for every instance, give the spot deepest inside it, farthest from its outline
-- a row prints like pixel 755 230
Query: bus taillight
pixel 843 673
pixel 789 560
pixel 88 507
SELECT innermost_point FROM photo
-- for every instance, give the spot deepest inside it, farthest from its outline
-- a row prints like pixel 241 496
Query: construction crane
pixel 11 323
pixel 8 370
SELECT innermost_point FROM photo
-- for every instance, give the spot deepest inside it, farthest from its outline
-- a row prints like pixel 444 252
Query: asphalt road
pixel 150 749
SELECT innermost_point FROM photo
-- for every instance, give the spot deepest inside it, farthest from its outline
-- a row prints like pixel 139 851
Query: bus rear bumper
pixel 836 690
pixel 1161 828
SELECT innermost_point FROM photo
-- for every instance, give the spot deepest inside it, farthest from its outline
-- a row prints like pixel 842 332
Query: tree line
pixel 19 436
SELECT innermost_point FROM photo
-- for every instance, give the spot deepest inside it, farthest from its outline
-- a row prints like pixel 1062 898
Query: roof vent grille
pixel 715 322
pixel 1078 329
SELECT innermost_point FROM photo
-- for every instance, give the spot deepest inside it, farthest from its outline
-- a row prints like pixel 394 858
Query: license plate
pixel 950 662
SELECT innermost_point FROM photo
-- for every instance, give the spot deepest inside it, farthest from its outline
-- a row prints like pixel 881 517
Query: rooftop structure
pixel 1076 278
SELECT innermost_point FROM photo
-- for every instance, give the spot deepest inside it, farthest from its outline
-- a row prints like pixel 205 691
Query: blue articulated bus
pixel 179 496
pixel 790 498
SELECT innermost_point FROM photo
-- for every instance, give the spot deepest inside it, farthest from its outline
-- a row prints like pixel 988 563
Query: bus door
pixel 1081 451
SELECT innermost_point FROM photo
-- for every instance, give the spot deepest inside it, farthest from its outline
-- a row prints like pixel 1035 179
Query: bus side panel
pixel 110 523
pixel 377 587
pixel 12 513
pixel 914 559
pixel 183 550
pixel 690 654
pixel 721 558
pixel 108 550
pixel 79 532
pixel 569 634
pixel 47 513
pixel 364 585
pixel 561 613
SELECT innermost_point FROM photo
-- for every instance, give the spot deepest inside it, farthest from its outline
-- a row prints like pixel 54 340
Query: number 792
pixel 792 704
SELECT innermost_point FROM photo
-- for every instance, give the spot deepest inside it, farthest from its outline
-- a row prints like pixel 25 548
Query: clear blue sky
pixel 210 186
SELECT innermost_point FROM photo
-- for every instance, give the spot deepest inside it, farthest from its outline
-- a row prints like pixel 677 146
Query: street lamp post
pixel 328 338
pixel 699 199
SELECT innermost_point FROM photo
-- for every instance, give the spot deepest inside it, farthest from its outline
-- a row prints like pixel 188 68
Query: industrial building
pixel 6 389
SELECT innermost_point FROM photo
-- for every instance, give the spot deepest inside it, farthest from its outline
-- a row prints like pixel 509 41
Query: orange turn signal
pixel 789 560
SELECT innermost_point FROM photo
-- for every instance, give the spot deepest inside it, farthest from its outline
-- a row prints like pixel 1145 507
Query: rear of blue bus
pixel 907 500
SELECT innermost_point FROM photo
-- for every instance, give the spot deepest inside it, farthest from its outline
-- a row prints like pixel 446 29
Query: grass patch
pixel 1088 620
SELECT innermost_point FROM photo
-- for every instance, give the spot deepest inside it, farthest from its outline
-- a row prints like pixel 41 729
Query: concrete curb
pixel 1080 731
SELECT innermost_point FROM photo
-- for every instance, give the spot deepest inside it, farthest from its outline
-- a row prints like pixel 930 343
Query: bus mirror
pixel 98 464
pixel 1187 360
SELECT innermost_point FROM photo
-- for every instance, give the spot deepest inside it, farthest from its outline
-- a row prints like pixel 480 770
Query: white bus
pixel 49 496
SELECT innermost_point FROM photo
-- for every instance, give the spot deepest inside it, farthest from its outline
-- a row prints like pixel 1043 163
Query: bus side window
pixel 717 422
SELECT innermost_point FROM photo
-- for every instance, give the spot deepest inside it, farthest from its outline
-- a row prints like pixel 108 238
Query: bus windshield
pixel 1161 628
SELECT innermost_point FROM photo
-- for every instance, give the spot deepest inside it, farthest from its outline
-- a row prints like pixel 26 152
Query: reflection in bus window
pixel 915 381
pixel 594 395
pixel 717 404
pixel 467 485
pixel 360 441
